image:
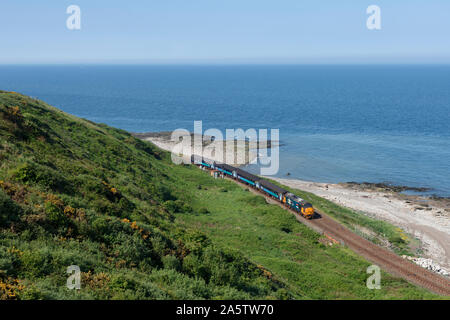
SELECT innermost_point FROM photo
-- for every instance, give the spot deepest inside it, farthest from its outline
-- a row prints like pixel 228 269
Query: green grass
pixel 140 227
pixel 380 230
pixel 271 237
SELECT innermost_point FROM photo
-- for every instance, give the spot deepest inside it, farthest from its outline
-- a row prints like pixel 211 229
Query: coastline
pixel 427 219
pixel 247 148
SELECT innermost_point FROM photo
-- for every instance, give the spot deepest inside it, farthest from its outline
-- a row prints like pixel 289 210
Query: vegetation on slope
pixel 77 193
pixel 270 236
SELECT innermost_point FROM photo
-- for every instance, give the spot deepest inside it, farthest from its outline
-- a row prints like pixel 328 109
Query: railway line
pixel 385 259
pixel 324 224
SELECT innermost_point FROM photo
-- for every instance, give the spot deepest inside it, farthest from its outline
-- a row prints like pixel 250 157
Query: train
pixel 290 200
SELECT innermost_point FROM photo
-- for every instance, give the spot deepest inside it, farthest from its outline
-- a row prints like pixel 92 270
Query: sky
pixel 224 31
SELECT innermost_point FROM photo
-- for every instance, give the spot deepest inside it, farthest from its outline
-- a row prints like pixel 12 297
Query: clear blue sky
pixel 225 31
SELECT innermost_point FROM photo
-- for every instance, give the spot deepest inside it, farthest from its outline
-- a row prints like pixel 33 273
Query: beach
pixel 426 219
pixel 245 152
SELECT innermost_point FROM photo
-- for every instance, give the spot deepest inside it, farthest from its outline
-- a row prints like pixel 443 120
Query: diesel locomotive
pixel 290 200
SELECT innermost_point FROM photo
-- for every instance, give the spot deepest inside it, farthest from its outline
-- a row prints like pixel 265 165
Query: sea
pixel 337 123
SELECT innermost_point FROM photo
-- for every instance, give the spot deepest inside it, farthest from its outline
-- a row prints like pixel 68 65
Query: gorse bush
pixel 9 210
pixel 76 193
pixel 177 206
pixel 73 192
pixel 49 178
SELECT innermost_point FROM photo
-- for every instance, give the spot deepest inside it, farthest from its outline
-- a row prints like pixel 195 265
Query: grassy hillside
pixel 77 193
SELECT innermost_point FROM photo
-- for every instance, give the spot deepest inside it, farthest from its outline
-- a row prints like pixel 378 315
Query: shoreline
pixel 248 149
pixel 425 218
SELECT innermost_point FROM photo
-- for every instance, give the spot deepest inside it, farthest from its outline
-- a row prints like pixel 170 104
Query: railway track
pixel 385 259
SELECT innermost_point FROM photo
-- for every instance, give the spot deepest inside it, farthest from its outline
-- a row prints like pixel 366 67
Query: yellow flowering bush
pixel 10 288
pixel 403 236
pixel 13 114
pixel 144 234
pixel 14 251
pixel 95 281
pixel 68 210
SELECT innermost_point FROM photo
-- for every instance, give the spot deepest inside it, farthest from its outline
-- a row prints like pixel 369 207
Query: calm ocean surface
pixel 337 123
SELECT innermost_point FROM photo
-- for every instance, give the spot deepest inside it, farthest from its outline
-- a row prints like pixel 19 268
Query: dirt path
pixel 384 258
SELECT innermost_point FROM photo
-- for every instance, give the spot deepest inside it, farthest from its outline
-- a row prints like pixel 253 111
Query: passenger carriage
pixel 289 199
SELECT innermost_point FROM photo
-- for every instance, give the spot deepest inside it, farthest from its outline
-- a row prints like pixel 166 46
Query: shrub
pixel 177 206
pixel 9 210
pixel 285 229
pixel 182 286
pixel 195 241
pixel 397 240
pixel 6 262
pixel 36 263
pixel 100 226
pixel 135 251
pixel 25 172
pixel 31 293
pixel 47 177
pixel 128 286
pixel 162 193
pixel 12 113
pixel 55 214
pixel 171 262
pixel 194 266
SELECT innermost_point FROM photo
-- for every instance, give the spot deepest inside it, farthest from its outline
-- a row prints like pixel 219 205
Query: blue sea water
pixel 337 123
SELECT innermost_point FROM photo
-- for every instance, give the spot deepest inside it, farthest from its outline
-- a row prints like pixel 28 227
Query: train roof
pixel 271 186
pixel 225 166
pixel 206 160
pixel 295 197
pixel 247 175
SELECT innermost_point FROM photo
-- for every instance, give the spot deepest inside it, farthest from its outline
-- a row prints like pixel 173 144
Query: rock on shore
pixel 428 264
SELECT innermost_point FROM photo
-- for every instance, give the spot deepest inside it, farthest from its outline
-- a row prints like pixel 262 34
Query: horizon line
pixel 185 63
